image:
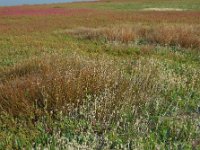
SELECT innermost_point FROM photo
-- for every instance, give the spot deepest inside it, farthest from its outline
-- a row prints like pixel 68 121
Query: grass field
pixel 111 74
pixel 127 5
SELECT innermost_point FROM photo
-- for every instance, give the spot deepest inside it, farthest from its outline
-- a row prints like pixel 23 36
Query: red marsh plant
pixel 35 11
pixel 46 18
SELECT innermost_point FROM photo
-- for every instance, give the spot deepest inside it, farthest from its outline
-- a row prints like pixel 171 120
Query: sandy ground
pixel 163 9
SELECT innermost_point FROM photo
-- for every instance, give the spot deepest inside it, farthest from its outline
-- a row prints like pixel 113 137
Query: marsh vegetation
pixel 72 76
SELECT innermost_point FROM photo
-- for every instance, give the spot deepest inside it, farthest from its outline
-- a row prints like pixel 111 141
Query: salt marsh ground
pixel 110 74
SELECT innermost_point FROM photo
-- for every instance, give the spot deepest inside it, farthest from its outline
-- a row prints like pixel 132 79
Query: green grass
pixel 139 5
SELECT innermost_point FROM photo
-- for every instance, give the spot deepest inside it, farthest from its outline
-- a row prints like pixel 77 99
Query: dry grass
pixel 62 84
pixel 182 36
pixel 59 82
pixel 185 37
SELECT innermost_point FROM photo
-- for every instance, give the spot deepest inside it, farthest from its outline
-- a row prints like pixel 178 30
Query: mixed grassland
pixel 100 75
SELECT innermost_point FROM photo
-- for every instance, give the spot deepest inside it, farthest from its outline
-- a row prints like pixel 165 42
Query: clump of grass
pixel 57 83
pixel 60 83
pixel 184 37
pixel 124 35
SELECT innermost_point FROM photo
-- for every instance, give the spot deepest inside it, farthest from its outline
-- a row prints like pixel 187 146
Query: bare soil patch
pixel 163 9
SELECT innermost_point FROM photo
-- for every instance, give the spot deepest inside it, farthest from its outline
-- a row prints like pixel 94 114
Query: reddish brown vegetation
pixel 39 19
pixel 182 36
pixel 23 11
pixel 186 37
pixel 62 82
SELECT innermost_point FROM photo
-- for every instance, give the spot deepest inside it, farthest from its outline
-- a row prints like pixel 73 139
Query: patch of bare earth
pixel 163 9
